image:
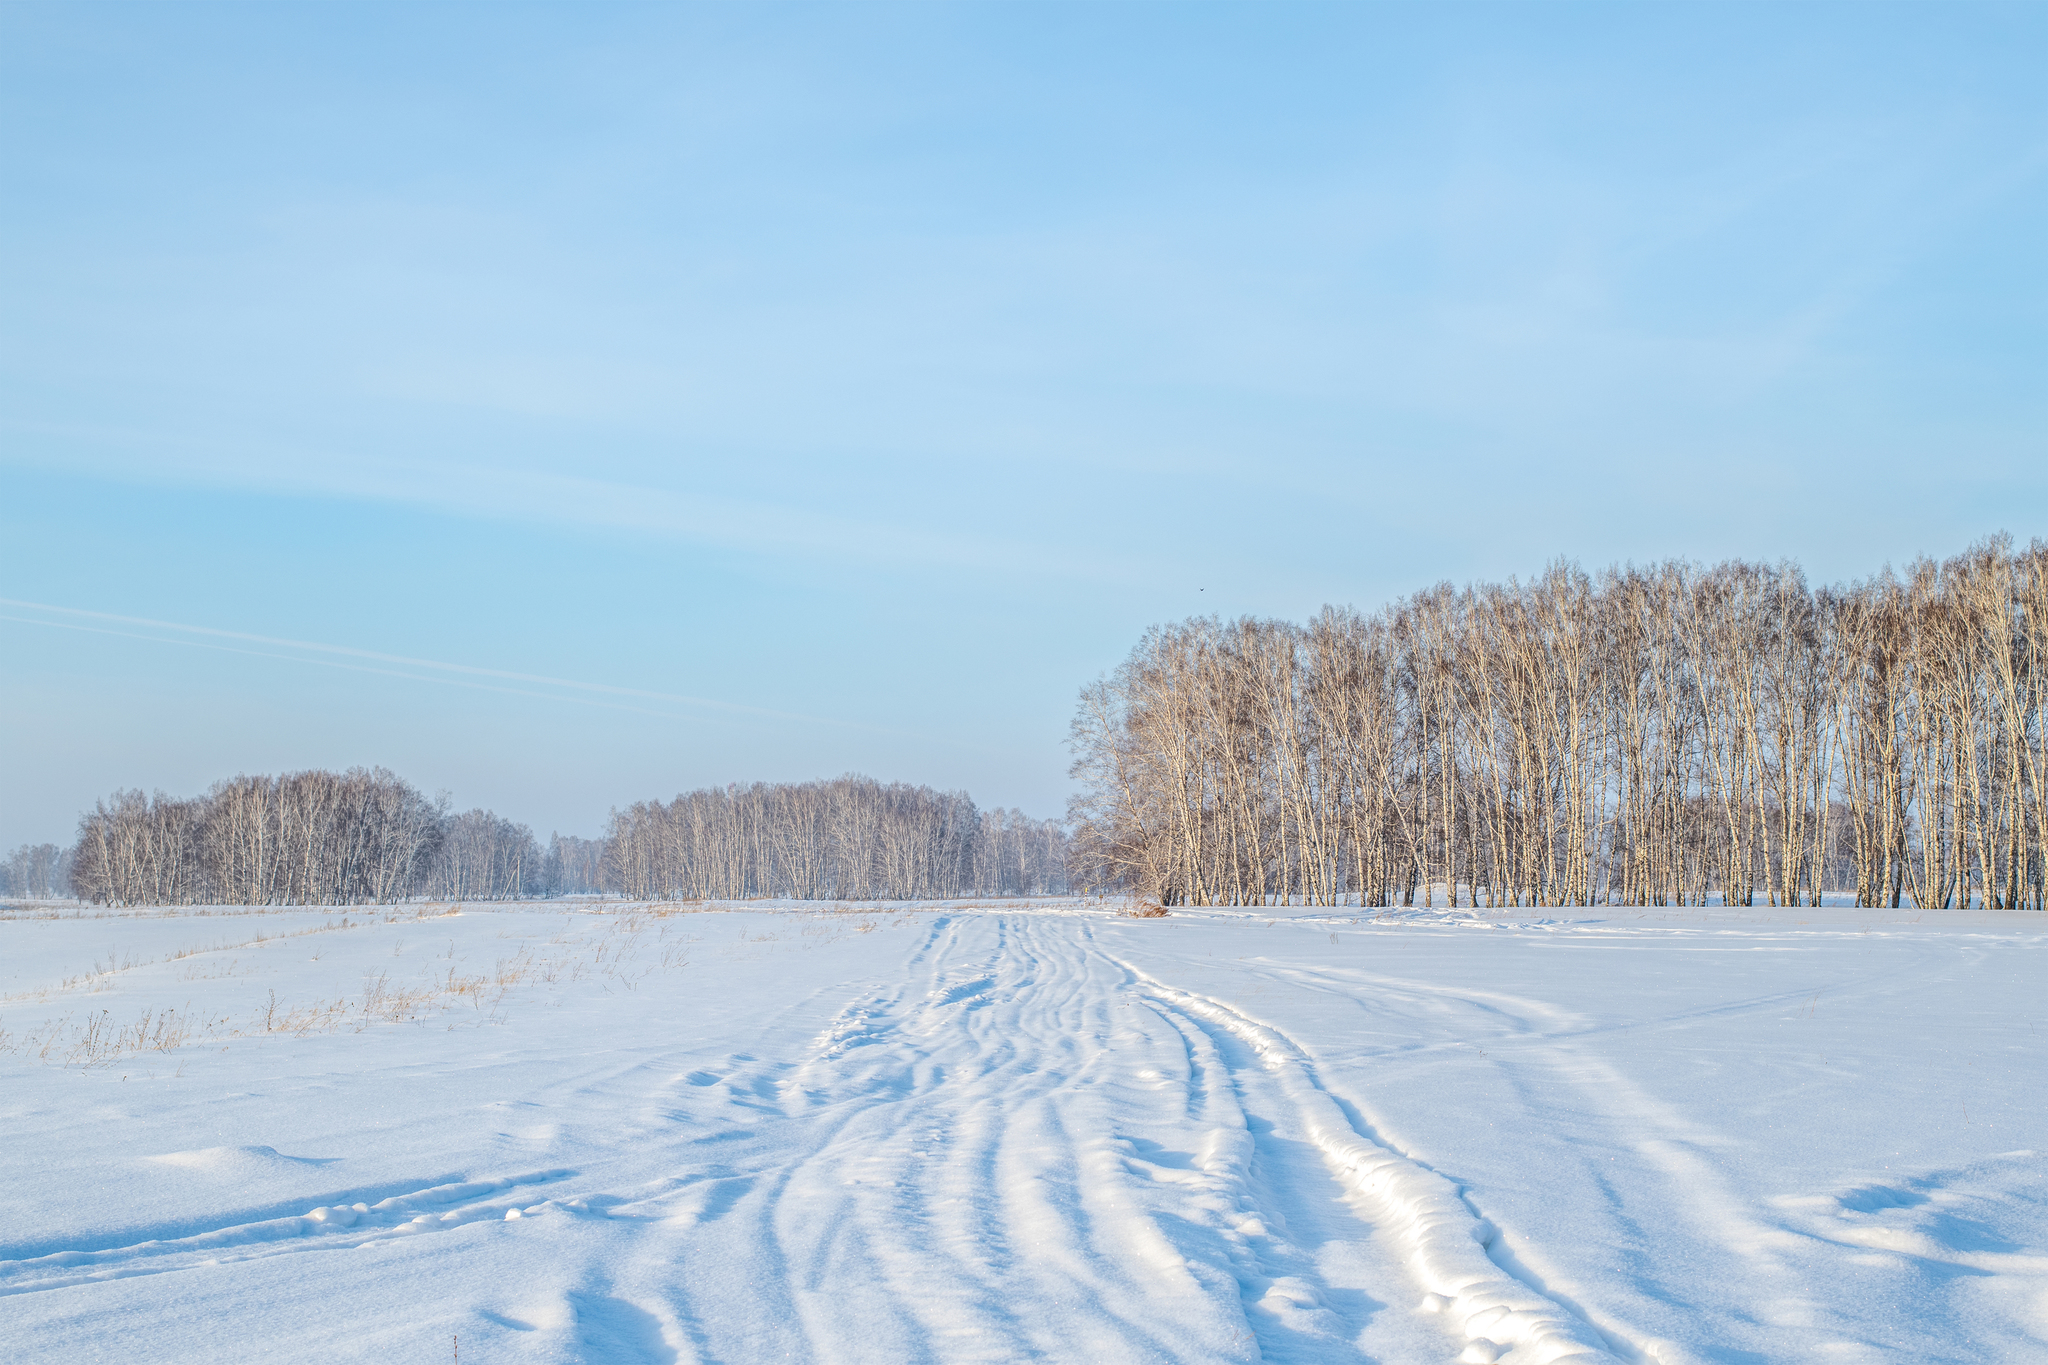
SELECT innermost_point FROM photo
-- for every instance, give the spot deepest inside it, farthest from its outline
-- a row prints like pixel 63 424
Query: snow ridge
pixel 400 1214
pixel 1503 1317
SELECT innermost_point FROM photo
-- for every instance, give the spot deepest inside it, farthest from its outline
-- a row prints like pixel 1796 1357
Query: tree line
pixel 366 836
pixel 36 872
pixel 363 836
pixel 308 838
pixel 1666 735
pixel 850 838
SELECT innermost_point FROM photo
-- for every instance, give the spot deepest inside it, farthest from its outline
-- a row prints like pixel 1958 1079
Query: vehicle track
pixel 1443 1240
pixel 1019 1145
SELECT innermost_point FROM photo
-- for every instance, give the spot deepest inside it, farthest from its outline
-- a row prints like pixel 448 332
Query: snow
pixel 1007 1131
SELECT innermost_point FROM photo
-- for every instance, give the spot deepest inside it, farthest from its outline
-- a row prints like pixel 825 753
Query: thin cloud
pixel 335 663
pixel 469 670
pixel 495 493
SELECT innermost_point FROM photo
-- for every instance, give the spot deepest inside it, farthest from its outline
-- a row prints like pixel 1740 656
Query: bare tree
pixel 311 838
pixel 1661 735
pixel 849 838
pixel 36 872
pixel 485 857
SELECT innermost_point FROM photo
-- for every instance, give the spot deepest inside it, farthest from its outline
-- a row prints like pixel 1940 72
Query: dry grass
pixel 663 909
pixel 101 976
pixel 96 1040
pixel 1142 910
pixel 632 945
pixel 99 1041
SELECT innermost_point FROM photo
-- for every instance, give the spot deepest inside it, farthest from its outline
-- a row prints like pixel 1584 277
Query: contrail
pixel 336 663
pixel 405 660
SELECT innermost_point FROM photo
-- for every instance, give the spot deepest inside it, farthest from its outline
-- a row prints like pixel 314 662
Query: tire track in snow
pixel 327 1228
pixel 1309 1265
pixel 948 1144
pixel 1447 1242
pixel 1017 1119
pixel 1765 1246
pixel 715 1211
pixel 974 1167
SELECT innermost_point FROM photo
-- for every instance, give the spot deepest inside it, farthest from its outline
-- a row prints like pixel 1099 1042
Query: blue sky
pixel 842 387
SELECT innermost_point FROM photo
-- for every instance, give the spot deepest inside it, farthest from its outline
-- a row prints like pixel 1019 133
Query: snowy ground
pixel 1003 1132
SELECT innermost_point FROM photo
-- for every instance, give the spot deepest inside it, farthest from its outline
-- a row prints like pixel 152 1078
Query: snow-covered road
pixel 968 1133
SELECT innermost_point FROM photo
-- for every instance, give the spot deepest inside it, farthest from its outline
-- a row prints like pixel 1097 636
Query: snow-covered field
pixel 1023 1132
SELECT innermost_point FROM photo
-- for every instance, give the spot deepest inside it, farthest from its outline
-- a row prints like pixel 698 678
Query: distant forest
pixel 1675 734
pixel 1648 736
pixel 36 872
pixel 366 836
pixel 850 838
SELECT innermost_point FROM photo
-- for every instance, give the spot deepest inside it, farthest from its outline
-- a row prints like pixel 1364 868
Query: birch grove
pixel 572 866
pixel 851 838
pixel 36 872
pixel 1670 735
pixel 311 838
pixel 366 837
